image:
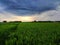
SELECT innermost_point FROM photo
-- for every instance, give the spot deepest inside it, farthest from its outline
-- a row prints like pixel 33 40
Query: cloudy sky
pixel 29 10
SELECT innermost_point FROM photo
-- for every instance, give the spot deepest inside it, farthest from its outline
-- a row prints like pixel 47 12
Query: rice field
pixel 29 33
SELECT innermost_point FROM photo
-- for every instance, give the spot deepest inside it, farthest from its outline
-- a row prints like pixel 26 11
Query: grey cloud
pixel 28 6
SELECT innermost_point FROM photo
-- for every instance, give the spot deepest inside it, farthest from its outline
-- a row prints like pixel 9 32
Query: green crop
pixel 29 33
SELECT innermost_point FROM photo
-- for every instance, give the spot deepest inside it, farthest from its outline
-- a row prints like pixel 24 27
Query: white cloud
pixel 12 17
pixel 52 15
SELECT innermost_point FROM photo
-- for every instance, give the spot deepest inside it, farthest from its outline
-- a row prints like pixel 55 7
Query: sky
pixel 29 10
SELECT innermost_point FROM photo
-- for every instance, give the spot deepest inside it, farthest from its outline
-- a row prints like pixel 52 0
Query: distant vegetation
pixel 27 33
pixel 5 21
pixel 35 21
pixel 16 21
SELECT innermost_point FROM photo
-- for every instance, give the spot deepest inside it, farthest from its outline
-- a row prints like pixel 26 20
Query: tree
pixel 34 21
pixel 5 21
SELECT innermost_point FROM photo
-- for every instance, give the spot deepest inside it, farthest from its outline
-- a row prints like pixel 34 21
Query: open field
pixel 29 33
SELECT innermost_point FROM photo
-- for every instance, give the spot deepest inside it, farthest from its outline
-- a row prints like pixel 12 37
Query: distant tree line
pixel 15 21
pixel 32 21
pixel 45 21
pixel 12 21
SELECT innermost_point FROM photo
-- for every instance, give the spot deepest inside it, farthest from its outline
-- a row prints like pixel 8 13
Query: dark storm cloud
pixel 28 6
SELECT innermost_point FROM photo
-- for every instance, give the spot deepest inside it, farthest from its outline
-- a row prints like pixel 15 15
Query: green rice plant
pixel 30 33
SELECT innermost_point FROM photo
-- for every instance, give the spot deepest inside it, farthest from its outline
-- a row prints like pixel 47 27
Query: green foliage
pixel 29 33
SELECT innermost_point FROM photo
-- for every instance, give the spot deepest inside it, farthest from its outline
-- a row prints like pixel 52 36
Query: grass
pixel 29 33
